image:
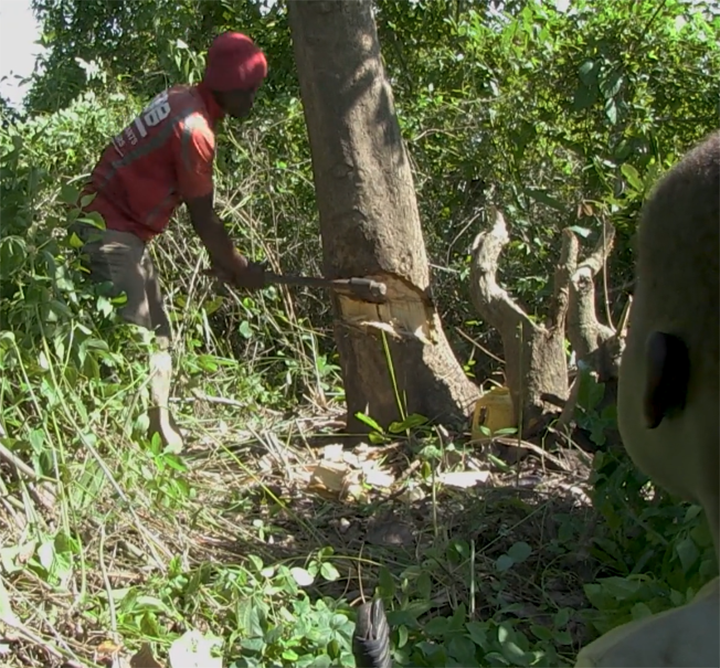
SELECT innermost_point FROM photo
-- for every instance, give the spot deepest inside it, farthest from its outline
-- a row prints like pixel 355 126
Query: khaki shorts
pixel 123 259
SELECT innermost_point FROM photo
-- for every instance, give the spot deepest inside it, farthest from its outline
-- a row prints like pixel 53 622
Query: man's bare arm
pixel 212 233
pixel 232 264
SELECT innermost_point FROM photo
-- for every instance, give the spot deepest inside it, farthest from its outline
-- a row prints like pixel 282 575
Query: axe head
pixel 363 288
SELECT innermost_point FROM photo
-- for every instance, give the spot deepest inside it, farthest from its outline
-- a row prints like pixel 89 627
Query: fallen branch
pixel 41 492
pixel 21 468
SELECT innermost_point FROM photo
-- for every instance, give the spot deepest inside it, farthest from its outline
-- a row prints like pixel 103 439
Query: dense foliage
pixel 561 117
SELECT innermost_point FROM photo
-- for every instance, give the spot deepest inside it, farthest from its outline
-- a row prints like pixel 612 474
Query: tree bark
pixel 587 335
pixel 370 224
pixel 597 345
pixel 535 363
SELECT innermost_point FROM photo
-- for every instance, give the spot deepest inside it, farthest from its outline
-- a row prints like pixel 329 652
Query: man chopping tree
pixel 162 158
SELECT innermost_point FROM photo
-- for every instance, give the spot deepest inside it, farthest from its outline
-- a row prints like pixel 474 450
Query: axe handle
pixel 363 288
pixel 305 281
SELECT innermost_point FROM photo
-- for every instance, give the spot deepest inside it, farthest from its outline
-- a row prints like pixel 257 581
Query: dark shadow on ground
pixel 444 552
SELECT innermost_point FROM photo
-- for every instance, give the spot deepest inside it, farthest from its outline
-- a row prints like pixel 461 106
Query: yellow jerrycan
pixel 494 410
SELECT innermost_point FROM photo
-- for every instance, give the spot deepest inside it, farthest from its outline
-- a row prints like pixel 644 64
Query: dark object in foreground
pixel 371 640
pixel 365 289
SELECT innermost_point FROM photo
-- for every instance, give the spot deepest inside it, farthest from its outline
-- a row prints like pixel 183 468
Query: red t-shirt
pixel 164 157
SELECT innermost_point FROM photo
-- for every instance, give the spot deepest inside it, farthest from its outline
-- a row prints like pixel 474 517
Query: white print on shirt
pixel 156 112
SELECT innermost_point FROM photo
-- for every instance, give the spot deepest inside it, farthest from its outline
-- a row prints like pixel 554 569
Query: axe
pixel 365 289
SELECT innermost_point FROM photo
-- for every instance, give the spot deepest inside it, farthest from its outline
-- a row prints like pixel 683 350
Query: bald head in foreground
pixel 668 395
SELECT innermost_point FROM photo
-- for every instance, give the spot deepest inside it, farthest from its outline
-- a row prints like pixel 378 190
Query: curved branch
pixel 566 266
pixel 490 300
pixel 596 261
pixel 585 332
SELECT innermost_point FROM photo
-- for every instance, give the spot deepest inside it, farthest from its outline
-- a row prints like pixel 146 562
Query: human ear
pixel 668 374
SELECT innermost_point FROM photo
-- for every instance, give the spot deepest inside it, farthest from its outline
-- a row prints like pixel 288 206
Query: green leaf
pixel 462 649
pixel 611 111
pixel 69 194
pixel 519 552
pixel 152 603
pixel 640 611
pixel 75 241
pixel 301 576
pixel 688 553
pixel 504 562
pixel 478 632
pixel 541 632
pixel 402 636
pixel 386 583
pixel 622 588
pixel 95 219
pixel 214 304
pixel 633 177
pixel 437 626
pixel 248 618
pixel 46 554
pixel 410 422
pixel 207 363
pixel 13 254
pixel 7 338
pixel 329 572
pixel 86 199
pixel 610 86
pixel 366 419
pixel 562 617
pixel 588 72
pixel 514 654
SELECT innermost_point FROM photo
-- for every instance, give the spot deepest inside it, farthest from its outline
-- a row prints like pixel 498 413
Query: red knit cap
pixel 234 62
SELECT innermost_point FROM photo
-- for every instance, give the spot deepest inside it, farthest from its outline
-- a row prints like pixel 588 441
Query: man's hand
pixel 240 272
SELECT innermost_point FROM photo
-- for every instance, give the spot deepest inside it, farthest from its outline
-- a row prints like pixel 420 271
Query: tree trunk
pixel 535 363
pixel 596 345
pixel 370 224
